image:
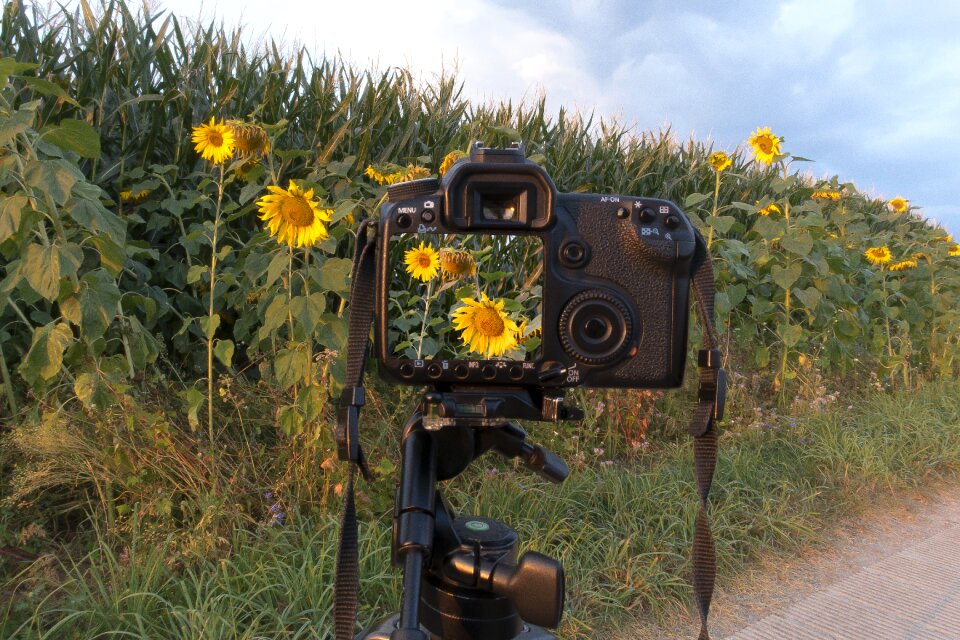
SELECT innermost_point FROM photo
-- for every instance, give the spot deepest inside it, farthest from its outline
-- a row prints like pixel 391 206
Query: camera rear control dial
pixel 413 188
pixel 596 327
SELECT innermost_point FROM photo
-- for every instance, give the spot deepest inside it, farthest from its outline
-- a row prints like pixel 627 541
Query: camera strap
pixel 347 429
pixel 711 394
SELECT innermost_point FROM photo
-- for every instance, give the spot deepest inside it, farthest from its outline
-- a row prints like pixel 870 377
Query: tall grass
pixel 622 532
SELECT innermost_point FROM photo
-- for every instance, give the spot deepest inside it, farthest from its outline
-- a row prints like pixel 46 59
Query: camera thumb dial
pixel 596 328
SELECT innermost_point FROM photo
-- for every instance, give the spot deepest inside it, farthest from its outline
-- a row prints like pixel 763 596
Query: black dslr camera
pixel 493 278
pixel 500 293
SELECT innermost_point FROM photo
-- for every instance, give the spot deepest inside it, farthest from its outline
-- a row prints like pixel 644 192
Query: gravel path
pixel 892 572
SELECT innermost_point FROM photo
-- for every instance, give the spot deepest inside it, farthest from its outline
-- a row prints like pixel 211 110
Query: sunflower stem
pixel 209 332
pixel 306 294
pixel 426 312
pixel 8 385
pixel 713 214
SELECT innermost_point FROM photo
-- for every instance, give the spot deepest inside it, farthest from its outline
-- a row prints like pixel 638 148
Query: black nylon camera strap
pixel 709 410
pixel 347 430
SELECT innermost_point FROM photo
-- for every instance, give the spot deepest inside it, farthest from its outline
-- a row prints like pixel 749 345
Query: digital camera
pixel 489 277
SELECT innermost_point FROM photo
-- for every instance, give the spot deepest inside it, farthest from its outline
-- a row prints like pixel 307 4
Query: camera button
pixel 434 370
pixel 428 216
pixel 406 370
pixel 574 254
pixel 489 372
pixel 461 371
pixel 516 372
pixel 404 220
pixel 623 212
pixel 672 221
pixel 647 215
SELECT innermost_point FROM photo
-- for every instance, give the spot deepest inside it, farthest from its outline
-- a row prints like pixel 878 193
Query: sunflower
pixel 396 173
pixel 903 265
pixel 486 328
pixel 765 145
pixel 134 198
pixel 456 263
pixel 825 195
pixel 767 210
pixel 878 255
pixel 720 161
pixel 294 216
pixel 450 159
pixel 524 333
pixel 898 204
pixel 954 250
pixel 946 238
pixel 422 262
pixel 215 142
pixel 250 140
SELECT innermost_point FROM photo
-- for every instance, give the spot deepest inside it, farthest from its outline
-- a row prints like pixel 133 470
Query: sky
pixel 869 89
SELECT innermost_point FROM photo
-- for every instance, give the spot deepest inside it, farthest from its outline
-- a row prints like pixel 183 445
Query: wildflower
pixel 767 210
pixel 486 328
pixel 954 250
pixel 903 265
pixel 765 145
pixel 946 238
pixel 215 142
pixel 244 169
pixel 720 161
pixel 402 174
pixel 456 263
pixel 422 262
pixel 898 204
pixel 250 140
pixel 134 198
pixel 450 159
pixel 825 195
pixel 294 216
pixel 878 255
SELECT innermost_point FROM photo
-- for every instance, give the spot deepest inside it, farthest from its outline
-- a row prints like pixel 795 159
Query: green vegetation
pixel 167 366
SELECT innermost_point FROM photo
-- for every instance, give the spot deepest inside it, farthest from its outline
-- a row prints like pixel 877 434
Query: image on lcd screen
pixel 465 296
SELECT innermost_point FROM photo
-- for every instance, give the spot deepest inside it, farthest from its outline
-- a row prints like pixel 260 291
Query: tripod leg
pixel 415 522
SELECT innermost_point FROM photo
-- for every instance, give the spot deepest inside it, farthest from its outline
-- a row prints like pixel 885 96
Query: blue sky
pixel 870 90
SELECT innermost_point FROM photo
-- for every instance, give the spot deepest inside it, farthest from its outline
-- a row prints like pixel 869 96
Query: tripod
pixel 462 579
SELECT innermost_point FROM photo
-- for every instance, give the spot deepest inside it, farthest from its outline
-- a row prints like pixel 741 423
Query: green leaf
pixel 45 357
pixel 334 275
pixel 767 227
pixel 277 266
pixel 94 217
pixel 736 293
pixel 785 276
pixel 193 399
pixel 70 310
pixel 55 177
pixel 308 311
pixel 694 199
pixel 275 315
pixel 722 304
pixel 761 357
pixel 791 334
pixel 98 297
pixel 721 223
pixel 76 136
pixel 290 366
pixel 195 272
pixel 46 88
pixel 112 255
pixel 17 122
pixel 343 209
pixel 43 267
pixel 810 297
pixel 9 67
pixel 90 392
pixel 209 325
pixel 290 420
pixel 11 213
pixel 224 351
pixel 799 243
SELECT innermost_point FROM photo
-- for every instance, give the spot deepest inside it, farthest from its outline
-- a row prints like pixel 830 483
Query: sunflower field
pixel 178 210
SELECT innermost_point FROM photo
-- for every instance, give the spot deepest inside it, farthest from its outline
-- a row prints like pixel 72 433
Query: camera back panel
pixel 606 276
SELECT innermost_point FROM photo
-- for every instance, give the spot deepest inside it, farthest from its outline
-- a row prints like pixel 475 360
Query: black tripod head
pixel 463 579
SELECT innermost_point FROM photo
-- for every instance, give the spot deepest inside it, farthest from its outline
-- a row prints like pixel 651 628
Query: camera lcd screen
pixel 465 296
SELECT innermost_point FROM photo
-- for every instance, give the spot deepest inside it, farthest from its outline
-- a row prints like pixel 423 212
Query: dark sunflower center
pixel 215 138
pixel 488 322
pixel 296 211
pixel 423 259
pixel 765 144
